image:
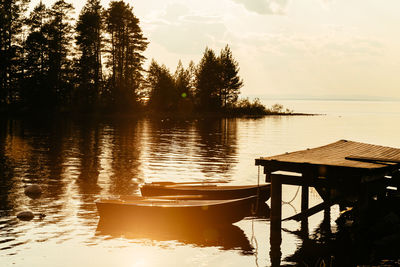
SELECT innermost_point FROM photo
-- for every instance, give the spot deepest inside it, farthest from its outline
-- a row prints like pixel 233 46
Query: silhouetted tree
pixel 230 80
pixel 59 30
pixel 49 75
pixel 208 82
pixel 11 54
pixel 35 86
pixel 89 41
pixel 184 86
pixel 217 80
pixel 162 91
pixel 125 46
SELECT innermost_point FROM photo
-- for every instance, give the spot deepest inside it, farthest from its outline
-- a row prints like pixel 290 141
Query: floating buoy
pixel 33 191
pixel 25 215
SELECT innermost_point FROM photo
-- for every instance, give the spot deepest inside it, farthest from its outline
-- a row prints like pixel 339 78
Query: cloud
pixel 289 63
pixel 188 38
pixel 181 31
pixel 264 7
pixel 175 11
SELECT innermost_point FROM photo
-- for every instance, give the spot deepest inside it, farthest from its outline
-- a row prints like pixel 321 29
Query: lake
pixel 78 161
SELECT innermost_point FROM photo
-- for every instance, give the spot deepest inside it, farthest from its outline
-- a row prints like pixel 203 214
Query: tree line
pixel 211 85
pixel 51 62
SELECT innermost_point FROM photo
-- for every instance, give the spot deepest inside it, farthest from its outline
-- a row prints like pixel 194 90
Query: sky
pixel 346 49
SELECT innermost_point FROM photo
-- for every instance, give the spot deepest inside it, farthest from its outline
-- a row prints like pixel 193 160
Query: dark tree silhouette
pixel 59 30
pixel 230 80
pixel 208 82
pixel 11 53
pixel 217 80
pixel 35 87
pixel 183 81
pixel 162 90
pixel 49 77
pixel 89 41
pixel 125 46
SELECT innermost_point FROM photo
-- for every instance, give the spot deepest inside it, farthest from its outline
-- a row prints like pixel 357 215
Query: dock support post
pixel 304 207
pixel 276 218
pixel 304 198
pixel 327 211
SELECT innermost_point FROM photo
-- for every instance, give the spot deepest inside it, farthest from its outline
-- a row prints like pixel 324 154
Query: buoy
pixel 25 215
pixel 33 191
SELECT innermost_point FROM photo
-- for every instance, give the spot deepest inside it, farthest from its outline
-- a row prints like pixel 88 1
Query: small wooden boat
pixel 207 191
pixel 149 210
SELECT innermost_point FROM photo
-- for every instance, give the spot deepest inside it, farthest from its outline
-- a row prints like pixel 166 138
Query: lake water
pixel 79 161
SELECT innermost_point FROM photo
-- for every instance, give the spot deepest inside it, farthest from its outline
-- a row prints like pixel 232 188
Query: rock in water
pixel 25 215
pixel 33 191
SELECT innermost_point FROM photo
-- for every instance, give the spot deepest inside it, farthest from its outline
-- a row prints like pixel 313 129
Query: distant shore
pixel 41 114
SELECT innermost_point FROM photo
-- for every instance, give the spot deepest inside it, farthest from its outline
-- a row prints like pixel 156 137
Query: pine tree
pixel 59 31
pixel 11 53
pixel 163 95
pixel 230 80
pixel 125 46
pixel 89 41
pixel 208 82
pixel 182 81
pixel 35 86
pixel 217 80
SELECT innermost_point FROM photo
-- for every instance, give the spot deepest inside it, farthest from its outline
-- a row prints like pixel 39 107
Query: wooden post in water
pixel 304 198
pixel 304 207
pixel 276 218
pixel 327 210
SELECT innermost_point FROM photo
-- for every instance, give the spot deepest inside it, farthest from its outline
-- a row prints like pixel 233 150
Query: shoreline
pixel 141 114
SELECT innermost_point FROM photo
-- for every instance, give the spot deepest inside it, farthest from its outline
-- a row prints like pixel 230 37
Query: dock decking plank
pixel 335 154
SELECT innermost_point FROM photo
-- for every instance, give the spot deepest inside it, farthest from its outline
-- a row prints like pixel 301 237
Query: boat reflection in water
pixel 224 236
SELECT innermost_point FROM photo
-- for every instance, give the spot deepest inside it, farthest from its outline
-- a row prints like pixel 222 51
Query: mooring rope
pixel 294 197
pixel 253 240
pixel 254 211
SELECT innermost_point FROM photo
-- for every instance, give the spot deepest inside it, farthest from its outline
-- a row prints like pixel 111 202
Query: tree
pixel 184 87
pixel 183 81
pixel 230 80
pixel 11 54
pixel 208 81
pixel 217 80
pixel 89 41
pixel 35 86
pixel 163 95
pixel 49 79
pixel 59 32
pixel 125 46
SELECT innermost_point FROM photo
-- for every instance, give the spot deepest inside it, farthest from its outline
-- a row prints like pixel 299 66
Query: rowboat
pixel 207 191
pixel 188 211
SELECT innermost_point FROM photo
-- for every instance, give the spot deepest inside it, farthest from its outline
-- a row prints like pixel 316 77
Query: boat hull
pixel 156 211
pixel 207 192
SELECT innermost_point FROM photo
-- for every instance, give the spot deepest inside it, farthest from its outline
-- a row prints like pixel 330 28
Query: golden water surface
pixel 78 161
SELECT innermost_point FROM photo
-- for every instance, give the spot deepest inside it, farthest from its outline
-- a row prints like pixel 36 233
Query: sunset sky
pixel 285 48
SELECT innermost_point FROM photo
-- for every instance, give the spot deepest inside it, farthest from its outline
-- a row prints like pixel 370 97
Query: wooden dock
pixel 344 172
